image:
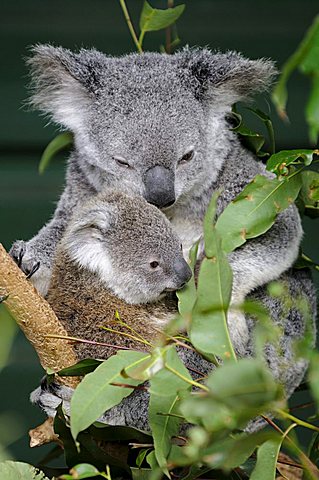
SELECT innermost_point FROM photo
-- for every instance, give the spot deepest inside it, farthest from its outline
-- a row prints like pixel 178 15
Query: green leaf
pixel 141 456
pixel 148 367
pixel 164 390
pixel 20 471
pixel 8 330
pixel 312 109
pixel 313 377
pixel 303 261
pixel 278 162
pixel 187 295
pixel 141 473
pixel 249 391
pixel 308 199
pixel 268 124
pixel 232 452
pixel 60 142
pixel 251 140
pixel 267 456
pixel 82 367
pixel 82 471
pixel 280 95
pixel 208 331
pixel 95 394
pixel 153 19
pixel 254 211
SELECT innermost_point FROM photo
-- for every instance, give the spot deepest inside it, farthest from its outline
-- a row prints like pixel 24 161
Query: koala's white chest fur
pixel 188 231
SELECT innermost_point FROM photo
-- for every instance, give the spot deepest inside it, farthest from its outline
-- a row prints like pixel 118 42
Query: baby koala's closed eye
pixel 118 254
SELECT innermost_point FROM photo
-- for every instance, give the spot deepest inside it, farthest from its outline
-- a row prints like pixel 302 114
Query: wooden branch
pixel 36 318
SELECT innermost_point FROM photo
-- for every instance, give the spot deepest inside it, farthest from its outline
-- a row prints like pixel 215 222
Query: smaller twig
pixel 130 26
pixel 91 342
pixel 118 332
pixel 187 380
pixel 296 420
pixel 141 445
pixel 127 385
pixel 303 405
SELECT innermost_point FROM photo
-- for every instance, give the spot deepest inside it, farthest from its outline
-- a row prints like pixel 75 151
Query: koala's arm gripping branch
pixel 36 318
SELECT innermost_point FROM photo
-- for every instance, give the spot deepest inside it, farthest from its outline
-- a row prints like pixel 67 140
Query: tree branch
pixel 36 318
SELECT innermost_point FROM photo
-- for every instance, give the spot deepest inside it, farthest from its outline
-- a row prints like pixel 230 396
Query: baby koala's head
pixel 129 244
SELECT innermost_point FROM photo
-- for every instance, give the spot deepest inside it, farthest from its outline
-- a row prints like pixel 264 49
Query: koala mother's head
pixel 150 124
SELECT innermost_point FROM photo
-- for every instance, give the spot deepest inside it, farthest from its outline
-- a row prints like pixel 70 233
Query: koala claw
pixel 17 252
pixel 50 395
pixel 25 257
pixel 34 269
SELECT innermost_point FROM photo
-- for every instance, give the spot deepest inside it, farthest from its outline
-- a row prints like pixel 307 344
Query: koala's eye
pixel 187 157
pixel 154 265
pixel 122 162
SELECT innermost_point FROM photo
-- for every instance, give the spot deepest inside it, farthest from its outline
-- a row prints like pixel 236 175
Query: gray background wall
pixel 269 28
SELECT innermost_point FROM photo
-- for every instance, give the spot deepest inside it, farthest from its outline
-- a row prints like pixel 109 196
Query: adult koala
pixel 156 125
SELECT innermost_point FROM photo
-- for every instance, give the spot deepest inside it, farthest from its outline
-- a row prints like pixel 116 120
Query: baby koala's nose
pixel 182 271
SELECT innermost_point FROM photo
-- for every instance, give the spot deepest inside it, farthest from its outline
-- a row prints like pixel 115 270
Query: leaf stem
pixel 296 420
pixel 187 380
pixel 91 342
pixel 130 26
pixel 124 334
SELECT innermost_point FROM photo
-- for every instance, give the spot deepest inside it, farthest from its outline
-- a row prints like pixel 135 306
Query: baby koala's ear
pixel 64 83
pixel 96 221
pixel 224 78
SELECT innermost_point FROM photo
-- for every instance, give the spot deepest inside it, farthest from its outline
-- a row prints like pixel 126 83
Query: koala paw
pixel 27 259
pixel 49 396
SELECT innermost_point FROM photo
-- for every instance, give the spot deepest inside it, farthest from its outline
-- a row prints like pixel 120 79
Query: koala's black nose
pixel 182 271
pixel 159 186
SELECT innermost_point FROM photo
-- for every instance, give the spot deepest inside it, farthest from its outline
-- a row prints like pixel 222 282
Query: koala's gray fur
pixel 155 125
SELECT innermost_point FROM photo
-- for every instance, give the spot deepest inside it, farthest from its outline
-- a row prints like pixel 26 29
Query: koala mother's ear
pixel 64 83
pixel 223 78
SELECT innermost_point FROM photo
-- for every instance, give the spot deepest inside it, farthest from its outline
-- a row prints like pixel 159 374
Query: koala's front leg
pixel 260 261
pixel 131 412
pixel 35 256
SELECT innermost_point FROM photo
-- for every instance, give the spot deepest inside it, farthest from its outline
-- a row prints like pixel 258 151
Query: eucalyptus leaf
pixel 312 107
pixel 141 473
pixel 164 427
pixel 187 295
pixel 153 19
pixel 82 471
pixel 308 199
pixel 10 470
pixel 254 210
pixel 280 95
pixel 232 452
pixel 249 391
pixel 80 368
pixel 267 456
pixel 60 142
pixel 251 140
pixel 208 331
pixel 96 394
pixel 313 377
pixel 283 159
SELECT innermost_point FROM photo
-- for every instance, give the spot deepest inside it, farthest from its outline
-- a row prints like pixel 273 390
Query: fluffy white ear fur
pixel 85 240
pixel 57 87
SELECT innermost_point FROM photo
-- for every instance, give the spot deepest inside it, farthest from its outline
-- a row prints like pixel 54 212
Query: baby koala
pixel 118 254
